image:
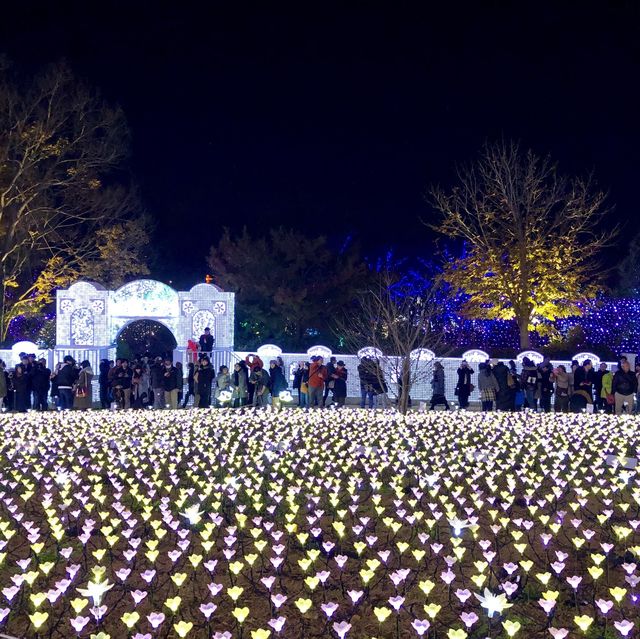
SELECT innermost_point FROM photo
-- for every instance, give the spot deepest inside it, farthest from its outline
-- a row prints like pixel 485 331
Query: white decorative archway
pixel 89 317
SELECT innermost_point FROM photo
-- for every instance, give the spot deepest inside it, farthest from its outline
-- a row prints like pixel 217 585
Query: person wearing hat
pixel 83 396
pixel 339 377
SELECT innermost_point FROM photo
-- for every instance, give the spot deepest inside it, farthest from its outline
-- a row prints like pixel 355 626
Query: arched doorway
pixel 145 337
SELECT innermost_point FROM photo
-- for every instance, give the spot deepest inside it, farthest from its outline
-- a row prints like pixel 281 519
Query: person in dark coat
pixel 366 374
pixel 205 379
pixel 21 389
pixel 103 383
pixel 624 388
pixel 65 377
pixel 206 342
pixel 40 384
pixel 340 375
pixel 328 387
pixel 122 383
pixel 171 384
pixel 503 396
pixel 437 386
pixel 156 378
pixel 190 384
pixel 584 378
pixel 546 386
pixel 464 386
pixel 278 380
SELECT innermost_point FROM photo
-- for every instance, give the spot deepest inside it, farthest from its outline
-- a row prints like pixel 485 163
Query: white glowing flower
pixel 95 590
pixel 225 396
pixel 458 525
pixel 193 514
pixel 493 603
pixel 285 396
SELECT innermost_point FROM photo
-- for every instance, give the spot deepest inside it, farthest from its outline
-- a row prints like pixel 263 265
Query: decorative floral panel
pixel 82 329
pixel 202 320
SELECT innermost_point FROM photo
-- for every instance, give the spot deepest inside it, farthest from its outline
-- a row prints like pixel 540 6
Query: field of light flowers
pixel 334 523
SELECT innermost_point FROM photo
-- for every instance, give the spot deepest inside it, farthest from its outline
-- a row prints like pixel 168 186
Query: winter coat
pixel 317 375
pixel 437 383
pixel 239 382
pixel 3 384
pixel 40 379
pixel 278 381
pixel 562 384
pixel 170 379
pixel 254 363
pixel 367 375
pixel 624 383
pixel 140 385
pixel 205 379
pixel 206 343
pixel 66 376
pixel 583 379
pixel 501 372
pixel 464 377
pixel 21 394
pixel 340 377
pixel 223 382
pixel 607 385
pixel 84 382
pixel 486 382
pixel 261 380
pixel 530 378
pixel 122 378
pixel 156 373
pixel 103 377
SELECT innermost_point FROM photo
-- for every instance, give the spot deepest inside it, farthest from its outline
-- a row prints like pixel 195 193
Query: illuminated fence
pixel 420 391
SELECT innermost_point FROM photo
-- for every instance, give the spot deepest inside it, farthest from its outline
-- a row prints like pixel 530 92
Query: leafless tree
pixel 61 155
pixel 400 324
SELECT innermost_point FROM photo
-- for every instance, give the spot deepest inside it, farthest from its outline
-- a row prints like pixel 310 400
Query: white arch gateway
pixel 89 317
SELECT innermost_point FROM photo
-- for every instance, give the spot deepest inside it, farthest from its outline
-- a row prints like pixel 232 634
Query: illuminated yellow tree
pixel 531 237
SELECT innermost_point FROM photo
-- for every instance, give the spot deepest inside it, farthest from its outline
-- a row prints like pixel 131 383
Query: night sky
pixel 336 119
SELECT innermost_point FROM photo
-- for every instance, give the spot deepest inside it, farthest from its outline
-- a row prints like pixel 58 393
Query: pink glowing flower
pixel 558 633
pixel 396 602
pixel 463 595
pixel 155 619
pixel 268 582
pixel 547 604
pixel 329 608
pixel 469 618
pixel 138 595
pixel 79 623
pixel 207 609
pixel 343 628
pixel 574 581
pixel 278 600
pixel 148 575
pixel 420 626
pixel 355 595
pixel 604 605
pixel 276 624
pixel 624 627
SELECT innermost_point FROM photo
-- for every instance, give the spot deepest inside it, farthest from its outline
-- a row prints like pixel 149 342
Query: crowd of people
pixel 148 382
pixel 581 388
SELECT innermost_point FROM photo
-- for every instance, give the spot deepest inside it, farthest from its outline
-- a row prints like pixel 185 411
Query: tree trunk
pixel 403 398
pixel 524 333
